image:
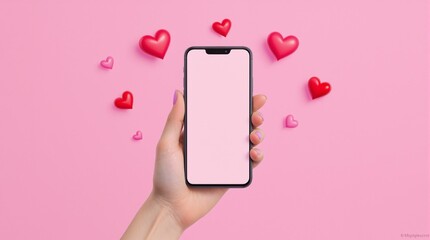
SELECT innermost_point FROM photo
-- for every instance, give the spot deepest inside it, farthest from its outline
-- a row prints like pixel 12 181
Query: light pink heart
pixel 138 135
pixel 290 122
pixel 108 63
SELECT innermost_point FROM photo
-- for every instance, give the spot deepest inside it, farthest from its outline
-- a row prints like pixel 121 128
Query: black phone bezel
pixel 218 50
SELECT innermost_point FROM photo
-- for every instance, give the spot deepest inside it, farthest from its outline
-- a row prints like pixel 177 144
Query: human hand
pixel 181 205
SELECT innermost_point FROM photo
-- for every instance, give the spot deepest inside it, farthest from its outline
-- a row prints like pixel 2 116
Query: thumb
pixel 175 120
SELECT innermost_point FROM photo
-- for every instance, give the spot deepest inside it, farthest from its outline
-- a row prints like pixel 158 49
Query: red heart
pixel 156 46
pixel 282 47
pixel 317 88
pixel 126 102
pixel 222 28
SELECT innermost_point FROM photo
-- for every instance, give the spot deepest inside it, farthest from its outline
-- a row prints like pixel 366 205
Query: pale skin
pixel 172 206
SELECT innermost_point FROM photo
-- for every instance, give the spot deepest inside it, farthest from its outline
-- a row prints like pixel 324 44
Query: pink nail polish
pixel 261 115
pixel 258 151
pixel 259 134
pixel 175 97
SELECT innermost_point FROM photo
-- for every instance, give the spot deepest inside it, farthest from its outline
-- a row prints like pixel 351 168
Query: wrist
pixel 165 212
pixel 154 220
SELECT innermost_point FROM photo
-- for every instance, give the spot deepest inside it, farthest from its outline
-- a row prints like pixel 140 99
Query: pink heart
pixel 290 122
pixel 108 63
pixel 138 135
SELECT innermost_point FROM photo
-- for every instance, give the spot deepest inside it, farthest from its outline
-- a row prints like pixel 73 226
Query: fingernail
pixel 259 135
pixel 175 97
pixel 257 151
pixel 261 115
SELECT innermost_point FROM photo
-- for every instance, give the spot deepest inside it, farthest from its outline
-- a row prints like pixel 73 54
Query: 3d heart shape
pixel 222 28
pixel 156 46
pixel 317 88
pixel 107 63
pixel 125 102
pixel 290 122
pixel 282 47
pixel 138 135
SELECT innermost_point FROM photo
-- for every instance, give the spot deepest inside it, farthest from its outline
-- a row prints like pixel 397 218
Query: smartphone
pixel 217 122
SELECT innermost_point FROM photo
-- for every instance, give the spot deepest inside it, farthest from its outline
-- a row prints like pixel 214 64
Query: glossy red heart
pixel 156 46
pixel 282 47
pixel 317 88
pixel 125 102
pixel 222 28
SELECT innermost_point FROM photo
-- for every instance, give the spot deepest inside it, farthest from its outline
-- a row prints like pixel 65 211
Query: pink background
pixel 357 167
pixel 213 80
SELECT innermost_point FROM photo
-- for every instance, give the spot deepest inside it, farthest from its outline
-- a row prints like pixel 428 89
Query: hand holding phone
pixel 172 206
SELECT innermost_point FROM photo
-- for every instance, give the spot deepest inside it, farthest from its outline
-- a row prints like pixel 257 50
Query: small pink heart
pixel 138 135
pixel 290 122
pixel 108 63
